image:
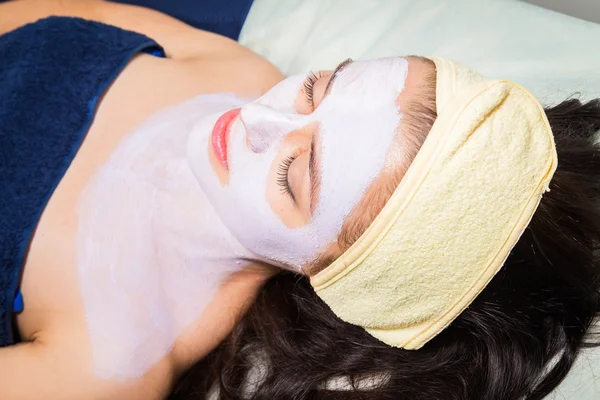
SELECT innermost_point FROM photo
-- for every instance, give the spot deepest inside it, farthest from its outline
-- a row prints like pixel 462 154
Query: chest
pixel 49 282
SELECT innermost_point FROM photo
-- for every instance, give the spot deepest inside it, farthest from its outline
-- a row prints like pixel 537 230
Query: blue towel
pixel 225 17
pixel 52 74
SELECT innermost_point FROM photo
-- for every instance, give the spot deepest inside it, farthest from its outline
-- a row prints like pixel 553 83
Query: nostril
pixel 255 119
pixel 258 143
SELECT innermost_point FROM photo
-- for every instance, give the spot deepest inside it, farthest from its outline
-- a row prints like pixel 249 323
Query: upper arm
pixel 61 370
pixel 32 371
pixel 15 372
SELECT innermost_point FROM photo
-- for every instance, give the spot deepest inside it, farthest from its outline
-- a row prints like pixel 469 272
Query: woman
pixel 196 62
pixel 537 307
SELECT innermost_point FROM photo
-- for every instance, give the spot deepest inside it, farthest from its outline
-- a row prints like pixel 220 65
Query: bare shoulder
pixel 179 39
pixel 197 50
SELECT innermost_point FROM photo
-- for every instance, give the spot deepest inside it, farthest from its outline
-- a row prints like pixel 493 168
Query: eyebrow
pixel 336 71
pixel 314 174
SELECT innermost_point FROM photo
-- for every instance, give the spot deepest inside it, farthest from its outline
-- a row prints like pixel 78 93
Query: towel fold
pixel 52 75
pixel 455 216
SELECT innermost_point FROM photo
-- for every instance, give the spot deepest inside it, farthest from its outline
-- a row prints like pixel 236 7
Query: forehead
pixel 365 77
pixel 369 78
pixel 420 88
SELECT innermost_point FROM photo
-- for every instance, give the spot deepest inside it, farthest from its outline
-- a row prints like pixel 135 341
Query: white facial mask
pixel 152 251
pixel 357 126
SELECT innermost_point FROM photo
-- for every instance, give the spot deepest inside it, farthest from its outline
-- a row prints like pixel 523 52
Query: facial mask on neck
pixel 152 251
pixel 357 124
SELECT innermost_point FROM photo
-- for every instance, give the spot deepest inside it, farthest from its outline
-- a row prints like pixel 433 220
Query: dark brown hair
pixel 517 340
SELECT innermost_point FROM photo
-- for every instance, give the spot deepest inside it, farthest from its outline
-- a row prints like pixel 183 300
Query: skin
pixel 297 213
pixel 53 362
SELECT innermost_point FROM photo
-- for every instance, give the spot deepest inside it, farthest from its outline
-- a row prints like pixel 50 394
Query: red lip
pixel 220 135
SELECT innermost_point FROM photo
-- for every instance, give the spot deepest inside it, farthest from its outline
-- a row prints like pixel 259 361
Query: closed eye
pixel 312 79
pixel 283 176
pixel 309 86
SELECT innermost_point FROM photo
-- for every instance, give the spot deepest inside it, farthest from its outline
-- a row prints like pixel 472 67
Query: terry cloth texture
pixel 52 75
pixel 455 216
pixel 224 17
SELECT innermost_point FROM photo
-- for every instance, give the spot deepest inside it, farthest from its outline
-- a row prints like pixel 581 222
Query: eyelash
pixel 282 175
pixel 309 85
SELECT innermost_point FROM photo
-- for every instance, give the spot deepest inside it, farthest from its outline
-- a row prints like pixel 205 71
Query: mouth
pixel 220 136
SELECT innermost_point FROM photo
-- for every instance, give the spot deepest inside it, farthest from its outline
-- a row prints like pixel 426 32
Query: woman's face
pixel 284 171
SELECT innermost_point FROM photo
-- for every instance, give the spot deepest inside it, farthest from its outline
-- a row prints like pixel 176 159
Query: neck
pixel 151 246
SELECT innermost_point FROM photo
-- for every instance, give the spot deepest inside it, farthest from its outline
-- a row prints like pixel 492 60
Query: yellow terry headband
pixel 455 216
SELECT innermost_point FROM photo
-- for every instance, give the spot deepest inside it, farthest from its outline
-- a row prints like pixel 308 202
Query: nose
pixel 265 125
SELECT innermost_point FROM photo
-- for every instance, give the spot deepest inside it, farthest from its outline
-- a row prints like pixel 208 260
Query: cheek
pixel 285 95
